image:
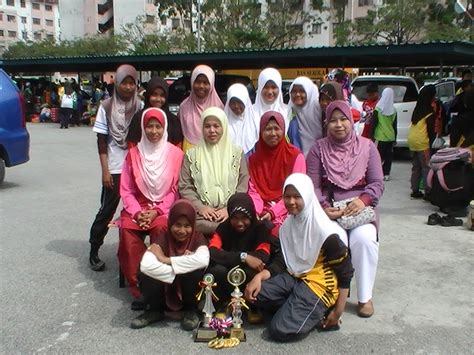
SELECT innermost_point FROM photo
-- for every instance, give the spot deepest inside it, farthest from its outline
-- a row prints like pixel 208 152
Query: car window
pixel 403 91
pixel 445 91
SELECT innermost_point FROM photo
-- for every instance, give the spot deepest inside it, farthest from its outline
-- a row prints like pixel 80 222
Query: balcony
pixel 104 27
pixel 103 8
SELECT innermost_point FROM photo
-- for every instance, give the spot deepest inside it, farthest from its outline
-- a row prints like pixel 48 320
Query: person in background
pixel 45 114
pixel 203 95
pixel 420 139
pixel 172 268
pixel 156 95
pixel 346 166
pixel 111 125
pixel 243 123
pixel 305 124
pixel 385 130
pixel 328 93
pixel 68 105
pixel 368 107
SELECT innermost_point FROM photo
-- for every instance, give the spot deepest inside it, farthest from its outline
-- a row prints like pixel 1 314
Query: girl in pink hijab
pixel 203 95
pixel 148 188
pixel 342 166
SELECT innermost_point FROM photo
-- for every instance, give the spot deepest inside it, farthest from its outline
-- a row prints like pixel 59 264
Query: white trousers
pixel 365 255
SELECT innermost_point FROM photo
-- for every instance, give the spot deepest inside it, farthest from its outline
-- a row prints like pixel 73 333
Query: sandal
pixel 450 221
pixel 434 219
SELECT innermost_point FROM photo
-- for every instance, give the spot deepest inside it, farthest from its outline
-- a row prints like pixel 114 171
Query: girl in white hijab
pixel 385 130
pixel 243 123
pixel 315 272
pixel 305 122
pixel 269 95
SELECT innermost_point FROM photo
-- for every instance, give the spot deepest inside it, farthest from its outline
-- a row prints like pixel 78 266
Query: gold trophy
pixel 236 277
pixel 204 333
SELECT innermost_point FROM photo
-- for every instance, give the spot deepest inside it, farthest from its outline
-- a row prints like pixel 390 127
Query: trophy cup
pixel 204 333
pixel 237 277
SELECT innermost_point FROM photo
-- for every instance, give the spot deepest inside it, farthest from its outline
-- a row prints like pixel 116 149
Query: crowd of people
pixel 290 193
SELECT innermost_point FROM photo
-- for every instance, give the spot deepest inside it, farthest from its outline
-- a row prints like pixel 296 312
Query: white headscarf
pixel 303 235
pixel 215 167
pixel 260 106
pixel 309 116
pixel 243 129
pixel 155 169
pixel 385 104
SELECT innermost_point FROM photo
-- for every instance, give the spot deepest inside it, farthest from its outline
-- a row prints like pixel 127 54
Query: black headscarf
pixel 423 104
pixel 175 133
pixel 254 235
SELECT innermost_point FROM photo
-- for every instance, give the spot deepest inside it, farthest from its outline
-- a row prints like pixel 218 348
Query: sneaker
pixel 95 262
pixel 147 318
pixel 416 194
pixel 386 178
pixel 190 320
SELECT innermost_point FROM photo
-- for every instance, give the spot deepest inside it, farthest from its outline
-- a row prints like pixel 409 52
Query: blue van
pixel 14 138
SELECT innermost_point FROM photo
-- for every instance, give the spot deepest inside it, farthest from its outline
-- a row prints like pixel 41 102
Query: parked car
pixel 181 88
pixel 14 138
pixel 405 95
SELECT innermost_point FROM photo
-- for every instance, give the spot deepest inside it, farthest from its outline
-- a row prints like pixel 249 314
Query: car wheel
pixel 2 170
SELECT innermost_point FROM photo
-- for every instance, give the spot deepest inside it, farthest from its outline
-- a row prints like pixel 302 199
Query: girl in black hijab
pixel 156 95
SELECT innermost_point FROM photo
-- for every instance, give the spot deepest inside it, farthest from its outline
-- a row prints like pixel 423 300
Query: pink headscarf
pixel 156 166
pixel 345 162
pixel 191 108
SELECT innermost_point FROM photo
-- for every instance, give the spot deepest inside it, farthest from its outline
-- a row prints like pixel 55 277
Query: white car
pixel 405 95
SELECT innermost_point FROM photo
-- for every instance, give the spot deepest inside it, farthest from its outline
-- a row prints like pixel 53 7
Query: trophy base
pixel 203 334
pixel 238 333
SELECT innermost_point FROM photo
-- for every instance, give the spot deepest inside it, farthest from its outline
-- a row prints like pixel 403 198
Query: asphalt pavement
pixel 51 302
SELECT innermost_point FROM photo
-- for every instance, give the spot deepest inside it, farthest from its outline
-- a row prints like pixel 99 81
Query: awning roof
pixel 406 55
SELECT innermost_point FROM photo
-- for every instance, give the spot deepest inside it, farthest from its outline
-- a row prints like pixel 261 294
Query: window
pixel 12 34
pixel 150 19
pixel 38 36
pixel 11 2
pixel 316 28
pixel 24 35
pixel 163 21
pixel 36 6
pixel 50 37
pixel 2 33
pixel 366 2
pixel 175 23
pixel 36 21
pixel 48 7
pixel 49 22
pixel 23 19
pixel 22 3
pixel 11 18
pixel 1 17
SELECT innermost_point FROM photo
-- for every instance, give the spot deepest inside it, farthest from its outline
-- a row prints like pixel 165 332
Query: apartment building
pixel 28 20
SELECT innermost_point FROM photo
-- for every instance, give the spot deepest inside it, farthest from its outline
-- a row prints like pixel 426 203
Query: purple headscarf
pixel 344 162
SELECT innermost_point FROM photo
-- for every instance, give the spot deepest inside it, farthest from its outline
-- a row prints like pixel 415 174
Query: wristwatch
pixel 243 256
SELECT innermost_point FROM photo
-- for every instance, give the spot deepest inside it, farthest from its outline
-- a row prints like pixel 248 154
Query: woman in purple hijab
pixel 342 166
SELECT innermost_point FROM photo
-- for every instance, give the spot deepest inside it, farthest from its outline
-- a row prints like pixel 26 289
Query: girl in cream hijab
pixel 212 171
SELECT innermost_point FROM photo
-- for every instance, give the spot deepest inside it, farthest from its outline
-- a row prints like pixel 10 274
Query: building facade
pixel 28 20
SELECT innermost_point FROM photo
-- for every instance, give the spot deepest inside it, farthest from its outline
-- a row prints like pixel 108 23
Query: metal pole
pixel 199 25
pixel 440 75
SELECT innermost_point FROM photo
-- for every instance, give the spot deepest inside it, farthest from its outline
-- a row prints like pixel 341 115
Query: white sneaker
pixel 386 178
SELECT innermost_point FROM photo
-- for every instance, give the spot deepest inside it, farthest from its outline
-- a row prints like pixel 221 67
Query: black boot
pixel 94 260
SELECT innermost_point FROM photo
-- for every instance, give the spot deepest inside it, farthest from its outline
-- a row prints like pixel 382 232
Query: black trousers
pixel 109 200
pixel 153 291
pixel 386 155
pixel 66 116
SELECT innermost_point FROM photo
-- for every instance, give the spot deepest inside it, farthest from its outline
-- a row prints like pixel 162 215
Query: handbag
pixel 366 216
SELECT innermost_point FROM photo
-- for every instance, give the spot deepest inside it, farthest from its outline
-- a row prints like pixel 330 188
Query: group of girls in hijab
pixel 234 194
